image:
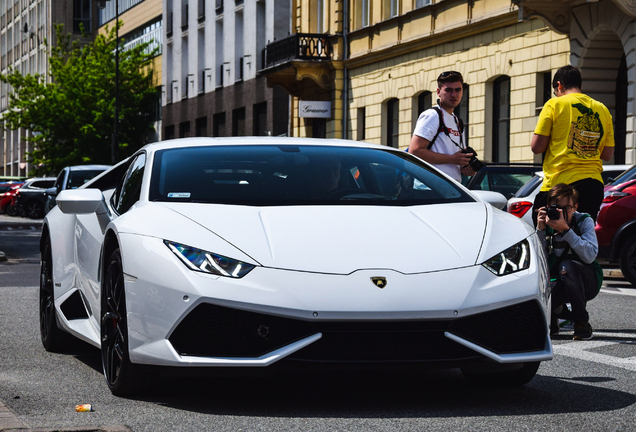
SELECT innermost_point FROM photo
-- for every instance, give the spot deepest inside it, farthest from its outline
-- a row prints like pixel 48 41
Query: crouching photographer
pixel 570 241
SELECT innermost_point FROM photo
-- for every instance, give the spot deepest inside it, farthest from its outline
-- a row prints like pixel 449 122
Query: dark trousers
pixel 590 198
pixel 576 284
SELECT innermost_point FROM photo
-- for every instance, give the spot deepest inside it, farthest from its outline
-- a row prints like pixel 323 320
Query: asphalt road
pixel 588 386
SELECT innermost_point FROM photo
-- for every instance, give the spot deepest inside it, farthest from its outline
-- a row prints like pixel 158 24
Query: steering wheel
pixel 341 193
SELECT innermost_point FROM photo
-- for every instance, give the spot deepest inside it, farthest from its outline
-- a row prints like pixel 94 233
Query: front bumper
pixel 177 317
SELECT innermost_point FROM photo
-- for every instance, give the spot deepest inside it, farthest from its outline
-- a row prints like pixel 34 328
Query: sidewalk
pixel 17 222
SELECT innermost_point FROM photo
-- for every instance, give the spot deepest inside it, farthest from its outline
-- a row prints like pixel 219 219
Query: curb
pixel 9 422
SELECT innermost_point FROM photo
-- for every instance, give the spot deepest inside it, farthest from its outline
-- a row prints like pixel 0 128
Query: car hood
pixel 329 239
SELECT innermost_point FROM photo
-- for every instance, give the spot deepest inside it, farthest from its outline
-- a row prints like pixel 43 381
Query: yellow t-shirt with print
pixel 579 129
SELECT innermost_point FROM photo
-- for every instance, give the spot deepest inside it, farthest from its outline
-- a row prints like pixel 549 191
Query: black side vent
pixel 73 307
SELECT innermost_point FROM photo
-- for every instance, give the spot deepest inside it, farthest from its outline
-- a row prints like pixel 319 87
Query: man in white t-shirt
pixel 446 150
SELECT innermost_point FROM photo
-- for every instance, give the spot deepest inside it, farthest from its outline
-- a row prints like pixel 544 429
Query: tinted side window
pixel 60 181
pixel 129 189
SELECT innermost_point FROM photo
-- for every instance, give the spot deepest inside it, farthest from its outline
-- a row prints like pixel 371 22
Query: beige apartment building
pixel 506 51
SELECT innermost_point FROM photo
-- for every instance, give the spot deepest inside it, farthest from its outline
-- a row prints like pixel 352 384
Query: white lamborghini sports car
pixel 269 253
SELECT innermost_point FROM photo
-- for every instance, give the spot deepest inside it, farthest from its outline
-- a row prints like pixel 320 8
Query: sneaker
pixel 582 330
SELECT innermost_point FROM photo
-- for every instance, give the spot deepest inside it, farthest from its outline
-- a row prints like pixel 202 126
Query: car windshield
pixel 625 176
pixel 78 178
pixel 529 187
pixel 296 174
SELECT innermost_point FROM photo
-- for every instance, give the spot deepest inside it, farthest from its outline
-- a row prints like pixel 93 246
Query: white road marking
pixel 621 291
pixel 580 350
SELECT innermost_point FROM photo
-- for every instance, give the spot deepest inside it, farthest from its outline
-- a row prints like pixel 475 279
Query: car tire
pixel 53 338
pixel 123 377
pixel 627 260
pixel 34 210
pixel 11 211
pixel 509 378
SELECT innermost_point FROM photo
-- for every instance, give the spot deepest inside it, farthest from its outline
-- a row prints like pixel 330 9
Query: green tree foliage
pixel 72 117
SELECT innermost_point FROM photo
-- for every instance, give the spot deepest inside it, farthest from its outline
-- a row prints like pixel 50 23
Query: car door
pixel 89 237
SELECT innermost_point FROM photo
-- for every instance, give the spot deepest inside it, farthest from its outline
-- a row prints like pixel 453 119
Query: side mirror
pixel 80 201
pixel 52 191
pixel 85 201
pixel 496 199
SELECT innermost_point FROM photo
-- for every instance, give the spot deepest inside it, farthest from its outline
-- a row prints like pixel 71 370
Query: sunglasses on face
pixel 448 74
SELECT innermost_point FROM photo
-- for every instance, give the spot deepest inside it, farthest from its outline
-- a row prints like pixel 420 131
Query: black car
pixel 505 178
pixel 31 197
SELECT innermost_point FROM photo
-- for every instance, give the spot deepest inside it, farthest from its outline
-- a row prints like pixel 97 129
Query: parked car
pixel 72 177
pixel 522 202
pixel 616 228
pixel 628 174
pixel 505 178
pixel 7 197
pixel 31 197
pixel 261 253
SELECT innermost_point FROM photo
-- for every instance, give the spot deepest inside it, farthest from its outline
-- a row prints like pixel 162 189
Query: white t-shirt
pixel 427 126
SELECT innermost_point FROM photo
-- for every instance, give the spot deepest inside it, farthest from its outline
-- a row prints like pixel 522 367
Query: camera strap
pixel 442 128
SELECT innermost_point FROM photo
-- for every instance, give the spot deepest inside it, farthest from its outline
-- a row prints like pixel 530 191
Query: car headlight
pixel 513 259
pixel 208 262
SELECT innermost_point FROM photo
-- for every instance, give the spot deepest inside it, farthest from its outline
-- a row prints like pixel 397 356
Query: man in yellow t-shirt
pixel 575 132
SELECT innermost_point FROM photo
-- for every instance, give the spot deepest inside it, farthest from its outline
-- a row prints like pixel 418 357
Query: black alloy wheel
pixel 627 260
pixel 53 338
pixel 34 210
pixel 123 378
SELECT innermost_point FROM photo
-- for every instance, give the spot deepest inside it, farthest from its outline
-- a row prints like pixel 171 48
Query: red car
pixel 7 197
pixel 616 227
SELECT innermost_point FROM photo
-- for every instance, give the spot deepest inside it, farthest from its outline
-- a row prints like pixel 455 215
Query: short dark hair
pixel 562 190
pixel 449 77
pixel 569 76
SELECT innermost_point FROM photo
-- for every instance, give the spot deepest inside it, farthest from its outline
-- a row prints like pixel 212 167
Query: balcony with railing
pixel 299 46
pixel 155 37
pixel 287 62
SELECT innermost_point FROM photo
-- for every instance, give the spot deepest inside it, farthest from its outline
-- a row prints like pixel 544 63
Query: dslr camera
pixel 553 212
pixel 474 163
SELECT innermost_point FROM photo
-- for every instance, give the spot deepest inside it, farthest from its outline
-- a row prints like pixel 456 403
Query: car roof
pixel 88 167
pixel 207 141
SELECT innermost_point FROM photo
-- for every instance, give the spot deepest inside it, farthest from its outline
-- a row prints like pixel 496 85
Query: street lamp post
pixel 101 4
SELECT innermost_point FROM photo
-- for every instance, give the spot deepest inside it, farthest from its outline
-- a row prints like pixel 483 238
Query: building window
pixel 169 132
pixel 361 10
pixel 361 124
pixel 201 127
pixel 184 15
pixel 421 103
pixel 219 53
pixel 317 16
pixel 81 16
pixel 218 125
pixel 544 90
pixel 424 102
pixel 501 120
pixel 422 3
pixel 238 122
pixel 238 46
pixel 260 119
pixel 393 122
pixel 391 8
pixel 184 129
pixel 462 111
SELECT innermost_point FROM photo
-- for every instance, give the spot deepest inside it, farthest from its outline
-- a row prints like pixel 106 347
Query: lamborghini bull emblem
pixel 380 282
